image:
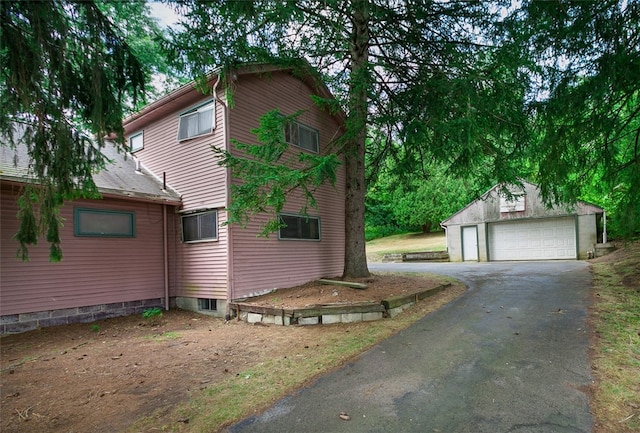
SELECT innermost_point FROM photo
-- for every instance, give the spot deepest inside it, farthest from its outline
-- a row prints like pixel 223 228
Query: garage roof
pixel 486 208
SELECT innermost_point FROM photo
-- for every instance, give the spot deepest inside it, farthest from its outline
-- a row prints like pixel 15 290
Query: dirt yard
pixel 101 377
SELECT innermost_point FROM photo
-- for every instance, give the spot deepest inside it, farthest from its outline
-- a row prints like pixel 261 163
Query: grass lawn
pixel 615 346
pixel 405 243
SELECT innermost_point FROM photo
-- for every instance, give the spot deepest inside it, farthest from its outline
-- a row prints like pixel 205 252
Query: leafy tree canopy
pixel 67 75
pixel 586 108
pixel 144 36
pixel 428 74
pixel 268 179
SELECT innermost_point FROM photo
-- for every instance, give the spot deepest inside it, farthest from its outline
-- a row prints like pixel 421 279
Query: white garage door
pixel 541 239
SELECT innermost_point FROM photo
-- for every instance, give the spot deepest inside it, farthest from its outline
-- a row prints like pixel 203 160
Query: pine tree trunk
pixel 355 260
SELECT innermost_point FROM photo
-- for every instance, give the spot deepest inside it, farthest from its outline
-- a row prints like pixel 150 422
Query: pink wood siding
pixel 261 264
pixel 191 169
pixel 94 270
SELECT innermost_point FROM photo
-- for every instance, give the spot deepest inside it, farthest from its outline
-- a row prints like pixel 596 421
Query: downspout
pixel 446 237
pixel 165 256
pixel 227 198
pixel 604 227
pixel 577 235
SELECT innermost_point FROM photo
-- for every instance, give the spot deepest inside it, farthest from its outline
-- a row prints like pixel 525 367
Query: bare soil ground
pixel 102 377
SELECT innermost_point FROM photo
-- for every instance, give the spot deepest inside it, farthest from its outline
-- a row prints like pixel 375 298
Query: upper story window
pixel 200 226
pixel 197 121
pixel 136 142
pixel 515 203
pixel 299 227
pixel 302 136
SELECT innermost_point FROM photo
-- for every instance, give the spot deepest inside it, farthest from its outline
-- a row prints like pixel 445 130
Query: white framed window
pixel 200 226
pixel 197 121
pixel 299 227
pixel 303 136
pixel 515 203
pixel 136 142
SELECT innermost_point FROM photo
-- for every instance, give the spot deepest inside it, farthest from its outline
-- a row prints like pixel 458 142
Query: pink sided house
pixel 157 237
pixel 211 262
pixel 116 251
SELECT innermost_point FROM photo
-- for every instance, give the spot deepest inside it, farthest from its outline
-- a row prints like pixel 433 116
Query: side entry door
pixel 470 243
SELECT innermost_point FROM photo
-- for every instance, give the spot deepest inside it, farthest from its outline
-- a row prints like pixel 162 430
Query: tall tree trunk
pixel 355 260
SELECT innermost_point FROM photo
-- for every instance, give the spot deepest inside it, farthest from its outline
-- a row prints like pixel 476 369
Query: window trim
pixel 196 214
pixel 78 211
pixel 131 137
pixel 195 110
pixel 302 217
pixel 299 125
pixel 210 302
pixel 515 203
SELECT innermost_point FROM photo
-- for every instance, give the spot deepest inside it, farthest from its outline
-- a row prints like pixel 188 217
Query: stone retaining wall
pixel 431 256
pixel 331 313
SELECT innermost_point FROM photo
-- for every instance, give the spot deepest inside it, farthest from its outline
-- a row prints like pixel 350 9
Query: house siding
pixel 285 263
pixel 483 243
pixel 454 243
pixel 190 168
pixel 94 270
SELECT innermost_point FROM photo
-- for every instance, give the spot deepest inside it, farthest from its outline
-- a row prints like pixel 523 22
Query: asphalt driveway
pixel 509 356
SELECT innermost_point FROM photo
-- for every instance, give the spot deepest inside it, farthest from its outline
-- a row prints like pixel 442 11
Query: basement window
pixel 207 304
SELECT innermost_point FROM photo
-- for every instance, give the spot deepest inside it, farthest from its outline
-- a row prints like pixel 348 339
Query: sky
pixel 166 16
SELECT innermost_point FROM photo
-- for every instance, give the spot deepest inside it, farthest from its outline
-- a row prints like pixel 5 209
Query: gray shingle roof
pixel 119 178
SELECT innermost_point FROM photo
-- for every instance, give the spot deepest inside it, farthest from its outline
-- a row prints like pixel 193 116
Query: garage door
pixel 540 239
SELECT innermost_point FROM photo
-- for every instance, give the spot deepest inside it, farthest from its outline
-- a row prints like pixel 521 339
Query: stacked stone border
pixel 421 256
pixel 331 313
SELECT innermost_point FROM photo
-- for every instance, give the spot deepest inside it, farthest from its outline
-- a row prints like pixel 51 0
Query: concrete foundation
pixel 15 323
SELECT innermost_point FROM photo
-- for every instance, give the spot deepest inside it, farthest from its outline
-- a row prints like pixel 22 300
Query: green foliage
pixel 425 202
pixel 145 37
pixel 587 112
pixel 270 172
pixel 152 313
pixel 401 199
pixel 420 73
pixel 95 328
pixel 493 92
pixel 66 75
pixel 399 202
pixel 616 319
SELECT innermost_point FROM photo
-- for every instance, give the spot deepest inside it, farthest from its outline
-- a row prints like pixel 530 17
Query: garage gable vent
pixel 515 203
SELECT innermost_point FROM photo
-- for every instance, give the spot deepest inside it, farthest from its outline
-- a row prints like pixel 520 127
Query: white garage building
pixel 518 226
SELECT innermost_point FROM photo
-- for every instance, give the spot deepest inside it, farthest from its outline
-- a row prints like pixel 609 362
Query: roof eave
pixel 112 193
